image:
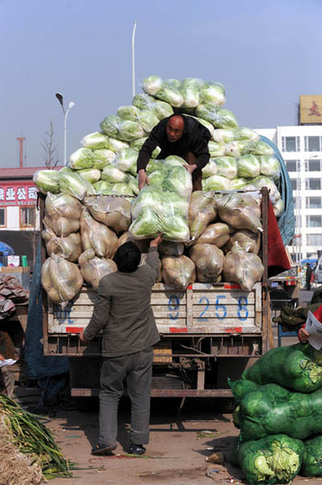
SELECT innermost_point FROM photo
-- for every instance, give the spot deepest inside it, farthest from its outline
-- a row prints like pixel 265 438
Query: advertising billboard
pixel 310 109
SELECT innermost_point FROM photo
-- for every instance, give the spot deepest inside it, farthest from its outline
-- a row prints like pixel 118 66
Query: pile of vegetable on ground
pixel 279 414
pixel 93 204
pixel 29 453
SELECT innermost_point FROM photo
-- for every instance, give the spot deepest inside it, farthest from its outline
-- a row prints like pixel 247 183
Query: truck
pixel 209 332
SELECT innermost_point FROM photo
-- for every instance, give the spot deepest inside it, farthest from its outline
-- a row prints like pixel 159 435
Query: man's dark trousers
pixel 136 370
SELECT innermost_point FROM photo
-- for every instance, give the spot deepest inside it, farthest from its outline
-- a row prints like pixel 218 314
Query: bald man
pixel 177 135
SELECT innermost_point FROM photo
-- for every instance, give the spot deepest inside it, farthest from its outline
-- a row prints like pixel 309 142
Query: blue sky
pixel 266 53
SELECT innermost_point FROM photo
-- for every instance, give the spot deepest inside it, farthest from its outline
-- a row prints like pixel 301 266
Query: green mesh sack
pixel 272 409
pixel 274 459
pixel 293 367
pixel 312 459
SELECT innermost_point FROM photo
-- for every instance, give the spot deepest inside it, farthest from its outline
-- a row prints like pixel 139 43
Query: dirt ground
pixel 180 443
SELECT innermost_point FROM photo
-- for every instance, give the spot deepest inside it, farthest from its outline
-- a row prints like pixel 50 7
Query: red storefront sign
pixel 18 193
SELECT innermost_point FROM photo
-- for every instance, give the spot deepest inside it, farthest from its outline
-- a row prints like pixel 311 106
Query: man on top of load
pixel 177 135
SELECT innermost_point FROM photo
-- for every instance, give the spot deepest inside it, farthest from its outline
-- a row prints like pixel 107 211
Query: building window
pixel 2 217
pixel 314 165
pixel 312 143
pixel 314 221
pixel 314 184
pixel 291 165
pixel 294 184
pixel 314 202
pixel 27 217
pixel 290 143
pixel 314 240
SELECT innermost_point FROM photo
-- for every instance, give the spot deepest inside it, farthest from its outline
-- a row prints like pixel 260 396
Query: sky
pixel 265 53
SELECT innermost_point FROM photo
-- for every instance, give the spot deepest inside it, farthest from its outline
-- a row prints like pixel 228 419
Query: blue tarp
pixel 38 365
pixel 286 222
pixel 6 249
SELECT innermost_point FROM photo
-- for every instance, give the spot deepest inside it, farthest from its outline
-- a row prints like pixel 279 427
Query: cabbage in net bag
pixel 242 267
pixel 94 268
pixel 178 272
pixel 162 206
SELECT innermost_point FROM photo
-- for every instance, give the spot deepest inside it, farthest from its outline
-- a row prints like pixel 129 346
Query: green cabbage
pixel 126 160
pixel 47 181
pixel 147 120
pixel 95 141
pixel 143 101
pixel 235 148
pixel 270 166
pixel 72 183
pixel 116 145
pixel 111 173
pixel 125 130
pixel 82 158
pixel 216 149
pixel 107 188
pixel 257 148
pixel 227 167
pixel 170 93
pixel 103 157
pixel 90 174
pixel 152 84
pixel 161 109
pixel 210 169
pixel 213 94
pixel 216 182
pixel 190 89
pixel 248 166
pixel 128 112
pixel 219 117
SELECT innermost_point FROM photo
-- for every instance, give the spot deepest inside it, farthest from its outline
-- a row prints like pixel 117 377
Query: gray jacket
pixel 124 312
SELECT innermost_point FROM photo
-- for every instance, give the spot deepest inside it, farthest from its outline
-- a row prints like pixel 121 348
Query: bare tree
pixel 49 147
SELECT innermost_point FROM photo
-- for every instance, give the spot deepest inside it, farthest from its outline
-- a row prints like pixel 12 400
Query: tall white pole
pixel 133 59
pixel 71 104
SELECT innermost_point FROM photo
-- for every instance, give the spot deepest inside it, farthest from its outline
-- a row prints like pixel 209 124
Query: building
pixel 19 214
pixel 301 148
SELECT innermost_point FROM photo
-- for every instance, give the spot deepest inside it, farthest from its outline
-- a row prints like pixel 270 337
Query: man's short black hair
pixel 127 257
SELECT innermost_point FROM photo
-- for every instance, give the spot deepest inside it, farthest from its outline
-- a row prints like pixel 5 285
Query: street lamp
pixel 60 98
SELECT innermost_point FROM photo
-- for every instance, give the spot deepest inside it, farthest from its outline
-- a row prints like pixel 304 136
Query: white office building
pixel 301 148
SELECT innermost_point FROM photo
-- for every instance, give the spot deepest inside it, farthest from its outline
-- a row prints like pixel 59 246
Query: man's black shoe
pixel 137 450
pixel 103 449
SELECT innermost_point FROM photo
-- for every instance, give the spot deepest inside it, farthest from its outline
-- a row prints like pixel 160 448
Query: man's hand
pixel 190 168
pixel 143 178
pixel 155 242
pixel 2 358
pixel 303 335
pixel 82 338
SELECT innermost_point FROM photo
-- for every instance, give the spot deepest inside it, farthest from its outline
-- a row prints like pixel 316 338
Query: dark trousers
pixel 196 175
pixel 136 370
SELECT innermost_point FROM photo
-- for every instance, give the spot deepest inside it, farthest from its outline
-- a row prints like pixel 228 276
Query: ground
pixel 180 443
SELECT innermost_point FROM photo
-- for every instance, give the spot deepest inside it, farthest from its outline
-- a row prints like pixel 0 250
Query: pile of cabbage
pixel 279 414
pixel 106 161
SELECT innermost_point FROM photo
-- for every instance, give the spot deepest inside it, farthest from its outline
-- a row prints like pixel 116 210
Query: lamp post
pixel 133 58
pixel 60 98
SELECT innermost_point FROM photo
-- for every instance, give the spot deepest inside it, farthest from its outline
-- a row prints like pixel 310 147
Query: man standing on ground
pixel 177 135
pixel 123 311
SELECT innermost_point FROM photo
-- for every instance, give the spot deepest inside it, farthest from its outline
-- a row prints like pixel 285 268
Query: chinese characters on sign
pixel 18 193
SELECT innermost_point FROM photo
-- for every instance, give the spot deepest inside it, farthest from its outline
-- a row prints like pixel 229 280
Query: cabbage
pixel 239 183
pixel 116 145
pixel 257 148
pixel 219 117
pixel 133 184
pixel 222 135
pixel 210 169
pixel 213 94
pixel 243 267
pixel 128 112
pixel 190 89
pixel 73 184
pixel 47 181
pixel 108 188
pixel 227 167
pixel 82 158
pixel 270 166
pixel 152 84
pixel 262 181
pixel 161 109
pixel 143 101
pixel 170 93
pixel 137 144
pixel 90 174
pixel 126 160
pixel 248 166
pixel 216 182
pixel 205 123
pixel 278 208
pixel 113 174
pixel 125 130
pixel 235 148
pixel 216 149
pixel 103 157
pixel 95 141
pixel 147 120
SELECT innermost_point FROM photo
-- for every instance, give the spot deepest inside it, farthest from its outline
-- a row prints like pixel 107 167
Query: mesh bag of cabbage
pixel 274 459
pixel 293 367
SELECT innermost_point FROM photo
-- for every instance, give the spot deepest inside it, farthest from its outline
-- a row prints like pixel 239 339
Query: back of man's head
pixel 127 257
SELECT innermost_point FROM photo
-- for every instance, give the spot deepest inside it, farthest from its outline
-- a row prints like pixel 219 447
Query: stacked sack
pixel 279 414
